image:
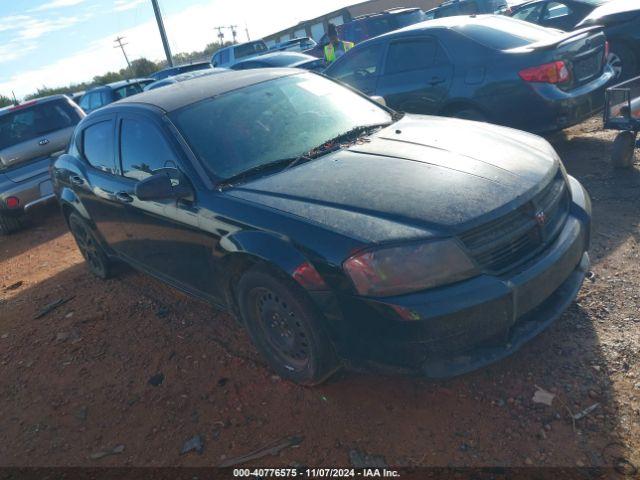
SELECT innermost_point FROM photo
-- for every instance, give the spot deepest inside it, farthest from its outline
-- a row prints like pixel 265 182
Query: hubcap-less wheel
pixel 285 333
pixel 89 248
pixel 616 64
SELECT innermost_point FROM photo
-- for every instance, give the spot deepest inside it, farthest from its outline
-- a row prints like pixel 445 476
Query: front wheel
pixel 286 327
pixel 95 256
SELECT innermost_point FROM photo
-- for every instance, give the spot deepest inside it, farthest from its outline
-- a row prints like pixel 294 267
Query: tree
pixel 143 67
pixel 5 101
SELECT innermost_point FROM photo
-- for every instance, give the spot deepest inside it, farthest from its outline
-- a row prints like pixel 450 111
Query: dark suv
pixel 100 96
pixel 31 134
pixel 369 26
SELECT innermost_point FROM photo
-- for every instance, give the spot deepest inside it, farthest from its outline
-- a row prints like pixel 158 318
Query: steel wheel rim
pixel 284 332
pixel 616 64
pixel 87 246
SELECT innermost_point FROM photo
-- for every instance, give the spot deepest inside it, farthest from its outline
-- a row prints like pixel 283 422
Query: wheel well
pixel 67 210
pixel 235 266
pixel 462 105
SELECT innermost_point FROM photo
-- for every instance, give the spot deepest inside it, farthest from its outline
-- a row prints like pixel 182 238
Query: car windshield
pixel 29 122
pixel 270 121
pixel 503 33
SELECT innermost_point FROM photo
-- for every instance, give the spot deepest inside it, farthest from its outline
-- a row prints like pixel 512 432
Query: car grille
pixel 510 241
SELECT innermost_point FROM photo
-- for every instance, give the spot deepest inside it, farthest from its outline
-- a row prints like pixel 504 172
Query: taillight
pixel 554 72
pixel 12 202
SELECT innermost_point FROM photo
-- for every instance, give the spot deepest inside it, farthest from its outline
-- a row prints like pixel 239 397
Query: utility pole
pixel 220 35
pixel 163 33
pixel 233 33
pixel 121 46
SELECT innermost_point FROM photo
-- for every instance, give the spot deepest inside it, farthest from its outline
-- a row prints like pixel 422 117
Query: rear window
pixel 503 33
pixel 248 49
pixel 128 91
pixel 31 122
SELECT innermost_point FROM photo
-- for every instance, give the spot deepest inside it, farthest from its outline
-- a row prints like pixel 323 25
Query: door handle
pixel 436 80
pixel 124 197
pixel 76 180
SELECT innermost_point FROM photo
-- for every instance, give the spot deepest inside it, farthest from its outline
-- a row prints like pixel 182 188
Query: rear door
pixel 360 67
pixel 417 75
pixel 98 186
pixel 162 235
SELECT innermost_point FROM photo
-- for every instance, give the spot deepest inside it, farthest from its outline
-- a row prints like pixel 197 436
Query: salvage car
pixel 620 19
pixel 488 68
pixel 335 229
pixel 32 134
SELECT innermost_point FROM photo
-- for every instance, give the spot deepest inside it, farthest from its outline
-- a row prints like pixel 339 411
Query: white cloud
pixel 188 30
pixel 123 5
pixel 57 4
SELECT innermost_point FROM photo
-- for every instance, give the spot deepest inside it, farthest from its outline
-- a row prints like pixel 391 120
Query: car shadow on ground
pixel 42 226
pixel 78 381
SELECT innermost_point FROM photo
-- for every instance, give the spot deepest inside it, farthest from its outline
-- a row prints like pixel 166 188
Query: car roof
pixel 181 94
pixel 177 67
pixel 294 56
pixel 120 83
pixel 33 101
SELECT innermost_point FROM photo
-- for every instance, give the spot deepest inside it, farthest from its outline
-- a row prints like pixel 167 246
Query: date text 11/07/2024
pixel 315 473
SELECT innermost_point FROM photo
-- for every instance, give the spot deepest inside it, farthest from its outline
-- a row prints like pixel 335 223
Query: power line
pixel 121 46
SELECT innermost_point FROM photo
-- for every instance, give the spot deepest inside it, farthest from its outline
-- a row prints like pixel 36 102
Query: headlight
pixel 408 268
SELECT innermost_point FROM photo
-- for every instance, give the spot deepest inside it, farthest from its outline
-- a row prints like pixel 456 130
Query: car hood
pixel 421 176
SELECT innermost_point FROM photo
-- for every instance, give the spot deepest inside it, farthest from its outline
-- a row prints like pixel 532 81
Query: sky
pixel 57 42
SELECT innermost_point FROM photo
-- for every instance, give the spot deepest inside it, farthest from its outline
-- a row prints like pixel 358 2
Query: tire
pixel 93 253
pixel 286 327
pixel 623 61
pixel 623 151
pixel 10 224
pixel 469 114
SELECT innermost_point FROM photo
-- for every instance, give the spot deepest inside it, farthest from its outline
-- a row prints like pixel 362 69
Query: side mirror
pixel 379 99
pixel 160 187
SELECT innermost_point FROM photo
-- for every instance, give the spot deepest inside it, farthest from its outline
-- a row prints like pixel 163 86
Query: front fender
pixel 264 246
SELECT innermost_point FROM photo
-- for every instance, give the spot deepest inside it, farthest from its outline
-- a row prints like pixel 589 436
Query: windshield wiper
pixel 281 164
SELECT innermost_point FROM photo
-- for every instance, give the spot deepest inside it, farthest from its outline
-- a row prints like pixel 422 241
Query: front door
pixel 162 235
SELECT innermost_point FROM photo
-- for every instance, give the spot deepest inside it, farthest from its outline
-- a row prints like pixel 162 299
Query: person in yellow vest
pixel 336 47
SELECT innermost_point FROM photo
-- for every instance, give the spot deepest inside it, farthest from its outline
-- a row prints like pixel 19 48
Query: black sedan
pixel 620 19
pixel 488 68
pixel 333 228
pixel 282 60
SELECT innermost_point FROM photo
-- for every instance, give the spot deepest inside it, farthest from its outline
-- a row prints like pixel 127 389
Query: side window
pixel 363 62
pixel 530 13
pixel 84 102
pixel 556 10
pixel 94 101
pixel 143 149
pixel 224 57
pixel 411 55
pixel 97 146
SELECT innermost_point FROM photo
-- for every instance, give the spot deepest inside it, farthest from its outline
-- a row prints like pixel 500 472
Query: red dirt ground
pixel 75 382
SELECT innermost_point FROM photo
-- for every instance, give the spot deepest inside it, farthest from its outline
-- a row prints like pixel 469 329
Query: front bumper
pixel 455 329
pixel 32 188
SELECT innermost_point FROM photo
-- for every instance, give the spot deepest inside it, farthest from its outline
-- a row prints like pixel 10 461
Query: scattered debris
pixel 273 449
pixel 14 286
pixel 542 396
pixel 157 379
pixel 194 444
pixel 585 412
pixel 51 307
pixel 64 336
pixel 81 413
pixel 5 336
pixel 365 460
pixel 223 381
pixel 162 312
pixel 114 451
